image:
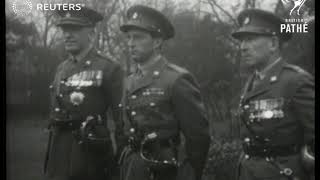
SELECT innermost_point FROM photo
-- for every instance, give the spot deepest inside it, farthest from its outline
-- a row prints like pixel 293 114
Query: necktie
pixel 256 80
pixel 138 74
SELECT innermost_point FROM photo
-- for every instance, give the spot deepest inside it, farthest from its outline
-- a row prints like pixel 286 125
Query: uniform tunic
pixel 277 114
pixel 167 100
pixel 80 90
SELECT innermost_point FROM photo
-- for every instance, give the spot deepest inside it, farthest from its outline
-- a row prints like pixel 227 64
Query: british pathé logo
pixel 294 25
pixel 22 7
pixel 296 5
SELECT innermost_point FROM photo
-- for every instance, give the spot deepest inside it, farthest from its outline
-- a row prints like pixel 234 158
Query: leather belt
pixel 274 151
pixel 73 124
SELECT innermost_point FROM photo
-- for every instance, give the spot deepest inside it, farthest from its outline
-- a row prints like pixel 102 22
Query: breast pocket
pixel 148 99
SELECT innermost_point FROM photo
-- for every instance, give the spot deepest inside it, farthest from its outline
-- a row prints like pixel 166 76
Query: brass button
pixel 246 139
pixel 132 130
pixel 133 113
pixel 88 63
pixel 246 156
pixel 156 73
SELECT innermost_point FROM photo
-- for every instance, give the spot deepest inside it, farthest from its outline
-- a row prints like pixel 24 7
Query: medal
pixel 76 98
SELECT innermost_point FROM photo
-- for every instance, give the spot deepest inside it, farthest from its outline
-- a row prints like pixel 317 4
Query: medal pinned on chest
pixel 76 98
pixel 265 109
pixel 82 79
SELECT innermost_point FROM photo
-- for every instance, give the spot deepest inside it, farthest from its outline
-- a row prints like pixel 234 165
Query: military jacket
pixel 86 88
pixel 277 114
pixel 167 100
pixel 280 110
pixel 82 90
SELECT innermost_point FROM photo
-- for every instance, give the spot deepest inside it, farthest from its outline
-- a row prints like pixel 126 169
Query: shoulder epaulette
pixel 177 68
pixel 296 69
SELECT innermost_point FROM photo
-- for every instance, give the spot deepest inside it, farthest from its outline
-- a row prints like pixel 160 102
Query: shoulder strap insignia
pixel 177 68
pixel 296 68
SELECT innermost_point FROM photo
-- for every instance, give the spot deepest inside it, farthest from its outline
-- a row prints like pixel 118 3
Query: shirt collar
pixel 79 57
pixel 148 65
pixel 262 74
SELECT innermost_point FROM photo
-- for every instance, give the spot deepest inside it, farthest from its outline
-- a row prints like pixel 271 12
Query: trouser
pixel 133 167
pixel 68 160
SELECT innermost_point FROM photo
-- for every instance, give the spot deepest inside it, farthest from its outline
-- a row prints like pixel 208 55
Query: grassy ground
pixel 25 146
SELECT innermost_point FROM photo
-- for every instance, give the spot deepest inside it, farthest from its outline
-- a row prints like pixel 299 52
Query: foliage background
pixel 202 45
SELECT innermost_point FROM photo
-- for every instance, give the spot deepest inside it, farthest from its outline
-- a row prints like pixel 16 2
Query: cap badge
pixel 135 15
pixel 68 15
pixel 246 20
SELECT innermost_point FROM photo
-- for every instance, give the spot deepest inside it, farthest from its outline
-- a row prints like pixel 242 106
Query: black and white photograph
pixel 160 89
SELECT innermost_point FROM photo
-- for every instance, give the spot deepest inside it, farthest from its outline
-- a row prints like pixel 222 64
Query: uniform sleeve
pixel 114 93
pixel 303 103
pixel 54 86
pixel 190 111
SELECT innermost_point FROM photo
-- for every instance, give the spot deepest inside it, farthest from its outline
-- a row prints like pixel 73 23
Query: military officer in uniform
pixel 277 105
pixel 161 100
pixel 85 86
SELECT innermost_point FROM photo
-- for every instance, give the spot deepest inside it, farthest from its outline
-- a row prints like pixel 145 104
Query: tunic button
pixel 156 73
pixel 246 107
pixel 247 140
pixel 246 156
pixel 90 134
pixel 133 113
pixel 70 124
pixel 152 104
pixel 57 109
pixel 119 105
pixel 62 82
pixel 287 171
pixel 61 95
pixel 50 87
pixel 88 63
pixel 132 130
pixel 133 97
